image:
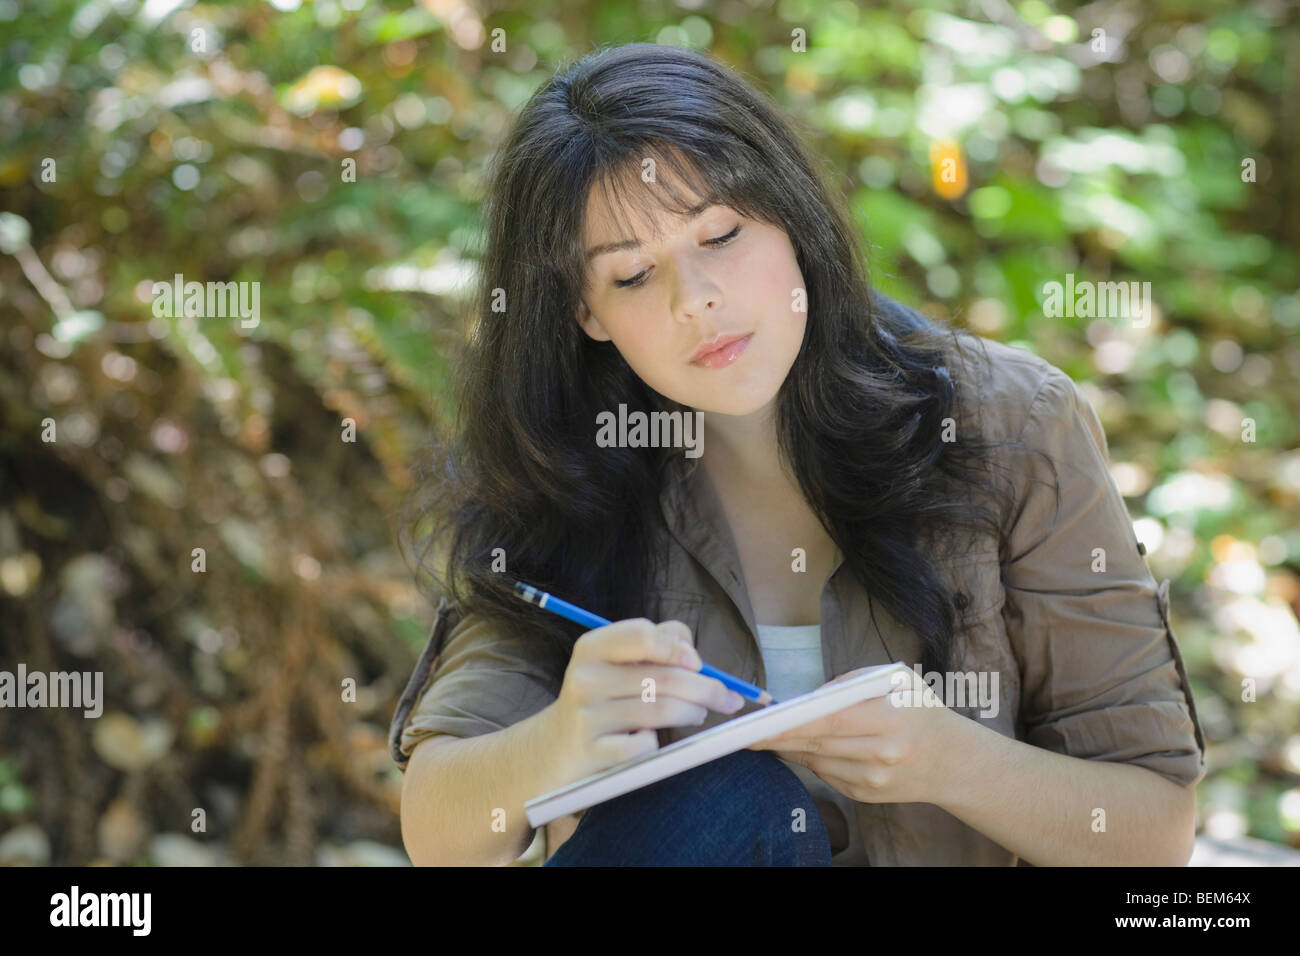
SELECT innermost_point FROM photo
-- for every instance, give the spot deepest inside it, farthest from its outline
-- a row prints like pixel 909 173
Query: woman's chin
pixel 735 405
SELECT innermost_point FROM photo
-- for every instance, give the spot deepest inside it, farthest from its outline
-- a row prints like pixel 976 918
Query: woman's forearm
pixel 1044 806
pixel 463 801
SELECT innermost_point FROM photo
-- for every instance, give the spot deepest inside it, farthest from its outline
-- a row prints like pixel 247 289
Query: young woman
pixel 865 487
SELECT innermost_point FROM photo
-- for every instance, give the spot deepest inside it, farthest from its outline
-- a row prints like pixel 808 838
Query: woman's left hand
pixel 891 749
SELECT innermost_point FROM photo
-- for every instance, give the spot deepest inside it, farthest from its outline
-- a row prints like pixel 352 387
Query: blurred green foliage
pixel 215 140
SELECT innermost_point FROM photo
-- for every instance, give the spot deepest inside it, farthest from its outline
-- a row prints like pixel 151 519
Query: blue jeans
pixel 736 810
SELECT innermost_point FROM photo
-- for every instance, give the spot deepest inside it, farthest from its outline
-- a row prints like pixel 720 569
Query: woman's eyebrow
pixel 691 214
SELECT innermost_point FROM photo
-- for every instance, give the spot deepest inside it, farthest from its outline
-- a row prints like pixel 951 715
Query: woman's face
pixel 700 280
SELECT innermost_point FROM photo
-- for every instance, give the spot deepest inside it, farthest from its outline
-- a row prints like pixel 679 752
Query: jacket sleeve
pixel 1102 677
pixel 472 680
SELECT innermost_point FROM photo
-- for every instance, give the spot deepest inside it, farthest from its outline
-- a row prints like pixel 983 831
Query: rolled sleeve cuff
pixel 500 700
pixel 472 680
pixel 1114 735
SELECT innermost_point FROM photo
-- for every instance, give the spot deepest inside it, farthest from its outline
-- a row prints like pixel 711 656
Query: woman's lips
pixel 727 352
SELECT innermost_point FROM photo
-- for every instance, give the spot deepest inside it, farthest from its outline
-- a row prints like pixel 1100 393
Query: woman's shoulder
pixel 998 384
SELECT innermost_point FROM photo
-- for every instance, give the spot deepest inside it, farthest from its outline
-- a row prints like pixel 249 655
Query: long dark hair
pixel 860 417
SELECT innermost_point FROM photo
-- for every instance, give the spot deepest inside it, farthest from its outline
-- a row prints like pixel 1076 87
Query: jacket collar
pixel 853 637
pixel 694 516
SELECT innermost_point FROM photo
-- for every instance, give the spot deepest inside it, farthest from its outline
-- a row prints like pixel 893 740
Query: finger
pixel 621 681
pixel 769 743
pixel 839 784
pixel 826 768
pixel 627 714
pixel 849 675
pixel 815 728
pixel 639 639
pixel 821 727
pixel 839 768
pixel 849 748
pixel 793 756
pixel 868 718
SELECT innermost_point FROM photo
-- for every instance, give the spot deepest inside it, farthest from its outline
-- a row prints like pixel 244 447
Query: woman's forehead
pixel 627 206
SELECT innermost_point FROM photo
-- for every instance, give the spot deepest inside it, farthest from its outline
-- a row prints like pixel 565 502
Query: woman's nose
pixel 696 296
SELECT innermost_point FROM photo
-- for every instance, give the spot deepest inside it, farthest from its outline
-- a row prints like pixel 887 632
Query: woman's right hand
pixel 604 714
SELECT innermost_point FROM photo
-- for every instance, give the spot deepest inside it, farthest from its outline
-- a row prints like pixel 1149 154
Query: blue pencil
pixel 549 602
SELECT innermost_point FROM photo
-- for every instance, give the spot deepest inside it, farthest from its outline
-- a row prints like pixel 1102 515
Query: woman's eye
pixel 722 240
pixel 639 278
pixel 628 283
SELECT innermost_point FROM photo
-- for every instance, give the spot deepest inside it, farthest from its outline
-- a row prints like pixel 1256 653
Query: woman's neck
pixel 742 450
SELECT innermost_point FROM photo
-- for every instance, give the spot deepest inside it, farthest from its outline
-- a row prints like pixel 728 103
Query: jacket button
pixel 961 600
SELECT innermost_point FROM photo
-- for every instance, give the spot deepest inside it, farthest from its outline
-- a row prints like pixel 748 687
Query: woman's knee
pixel 747 781
pixel 745 799
pixel 791 829
pixel 758 778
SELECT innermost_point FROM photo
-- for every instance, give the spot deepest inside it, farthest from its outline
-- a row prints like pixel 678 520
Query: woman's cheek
pixel 646 352
pixel 642 344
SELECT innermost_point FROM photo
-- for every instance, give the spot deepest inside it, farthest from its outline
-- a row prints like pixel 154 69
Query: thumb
pixel 844 677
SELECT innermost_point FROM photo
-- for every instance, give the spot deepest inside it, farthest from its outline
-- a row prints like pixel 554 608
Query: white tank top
pixel 792 658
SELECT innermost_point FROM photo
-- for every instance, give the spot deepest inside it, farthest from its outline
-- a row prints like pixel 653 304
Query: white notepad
pixel 725 738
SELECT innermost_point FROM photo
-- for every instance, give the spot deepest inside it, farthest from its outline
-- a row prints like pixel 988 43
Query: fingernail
pixel 735 702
